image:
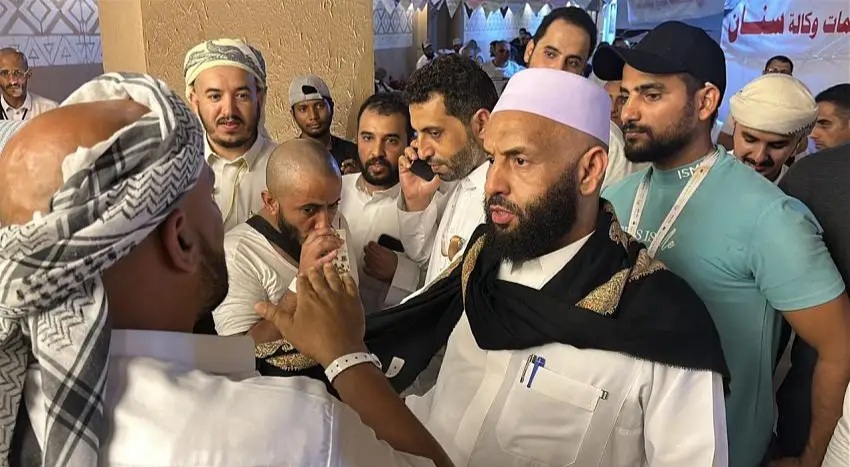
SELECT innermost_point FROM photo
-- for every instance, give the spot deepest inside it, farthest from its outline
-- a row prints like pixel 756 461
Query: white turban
pixel 775 103
pixel 227 52
pixel 52 300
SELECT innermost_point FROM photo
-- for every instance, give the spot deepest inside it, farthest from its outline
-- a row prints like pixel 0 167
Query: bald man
pixel 169 397
pixel 16 102
pixel 296 229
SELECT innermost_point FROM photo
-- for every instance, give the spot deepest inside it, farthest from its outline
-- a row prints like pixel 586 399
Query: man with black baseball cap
pixel 746 248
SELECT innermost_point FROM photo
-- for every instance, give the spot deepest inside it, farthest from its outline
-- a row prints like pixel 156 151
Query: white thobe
pixel 458 213
pixel 370 216
pixel 423 60
pixel 33 106
pixel 582 408
pixel 257 272
pixel 239 183
pixel 192 400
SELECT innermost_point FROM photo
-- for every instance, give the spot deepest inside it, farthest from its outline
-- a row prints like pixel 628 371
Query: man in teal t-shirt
pixel 746 248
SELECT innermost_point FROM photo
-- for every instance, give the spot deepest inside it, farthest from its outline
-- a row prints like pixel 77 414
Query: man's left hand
pixel 380 262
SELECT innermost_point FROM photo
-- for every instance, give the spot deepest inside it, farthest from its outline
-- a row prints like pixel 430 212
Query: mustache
pixel 229 119
pixel 500 202
pixel 382 161
pixel 635 128
pixel 767 163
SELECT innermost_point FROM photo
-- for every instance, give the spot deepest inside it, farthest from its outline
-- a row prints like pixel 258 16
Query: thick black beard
pixel 388 181
pixel 465 161
pixel 665 146
pixel 214 276
pixel 540 226
pixel 291 232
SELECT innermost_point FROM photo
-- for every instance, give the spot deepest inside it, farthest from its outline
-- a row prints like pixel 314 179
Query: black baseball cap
pixel 672 47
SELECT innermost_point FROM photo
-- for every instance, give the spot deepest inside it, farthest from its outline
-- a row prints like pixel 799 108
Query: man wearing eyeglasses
pixel 15 102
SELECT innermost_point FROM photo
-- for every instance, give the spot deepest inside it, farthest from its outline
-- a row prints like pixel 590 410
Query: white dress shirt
pixel 423 60
pixel 582 408
pixel 239 183
pixel 369 217
pixel 257 272
pixel 33 105
pixel 175 399
pixel 501 74
pixel 618 166
pixel 459 212
pixel 838 453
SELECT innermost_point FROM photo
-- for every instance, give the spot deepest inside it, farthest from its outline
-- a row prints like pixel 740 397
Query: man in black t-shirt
pixel 820 182
pixel 313 110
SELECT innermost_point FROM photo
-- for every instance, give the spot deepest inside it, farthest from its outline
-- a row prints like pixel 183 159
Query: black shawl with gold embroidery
pixel 611 296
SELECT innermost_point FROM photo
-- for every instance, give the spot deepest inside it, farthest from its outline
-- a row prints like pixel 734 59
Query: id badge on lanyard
pixel 690 188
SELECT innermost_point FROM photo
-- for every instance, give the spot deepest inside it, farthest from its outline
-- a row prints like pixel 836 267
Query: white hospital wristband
pixel 347 361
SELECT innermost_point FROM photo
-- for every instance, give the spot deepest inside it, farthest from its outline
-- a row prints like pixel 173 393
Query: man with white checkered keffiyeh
pixel 129 217
pixel 52 299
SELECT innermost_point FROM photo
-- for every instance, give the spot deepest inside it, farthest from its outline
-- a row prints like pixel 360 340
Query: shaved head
pixel 304 186
pixel 299 161
pixel 31 163
pixel 15 53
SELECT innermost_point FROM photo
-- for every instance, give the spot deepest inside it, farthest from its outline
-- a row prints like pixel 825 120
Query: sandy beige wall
pixel 330 38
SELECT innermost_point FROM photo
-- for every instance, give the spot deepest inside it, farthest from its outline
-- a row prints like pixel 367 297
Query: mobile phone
pixel 391 243
pixel 422 170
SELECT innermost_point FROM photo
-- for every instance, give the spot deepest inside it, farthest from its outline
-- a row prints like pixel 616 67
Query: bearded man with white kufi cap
pixel 550 318
pixel 772 114
pixel 226 87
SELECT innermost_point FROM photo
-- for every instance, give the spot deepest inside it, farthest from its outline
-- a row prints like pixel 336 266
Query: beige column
pixel 332 39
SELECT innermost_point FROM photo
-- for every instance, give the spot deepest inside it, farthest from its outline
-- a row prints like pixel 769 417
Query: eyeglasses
pixel 14 74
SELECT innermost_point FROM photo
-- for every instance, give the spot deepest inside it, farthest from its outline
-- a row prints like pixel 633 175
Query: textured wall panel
pixel 52 32
pixel 392 29
pixel 330 38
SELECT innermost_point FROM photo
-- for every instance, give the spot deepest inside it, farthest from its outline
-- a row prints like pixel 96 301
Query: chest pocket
pixel 547 422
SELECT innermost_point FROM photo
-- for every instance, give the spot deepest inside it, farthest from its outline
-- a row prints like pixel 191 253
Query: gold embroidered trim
pixel 267 349
pixel 290 360
pixel 605 298
pixel 469 265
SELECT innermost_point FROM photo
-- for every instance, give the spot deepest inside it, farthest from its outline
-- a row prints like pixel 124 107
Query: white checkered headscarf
pixel 52 300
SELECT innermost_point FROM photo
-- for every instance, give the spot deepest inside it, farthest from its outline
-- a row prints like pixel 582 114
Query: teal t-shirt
pixel 748 250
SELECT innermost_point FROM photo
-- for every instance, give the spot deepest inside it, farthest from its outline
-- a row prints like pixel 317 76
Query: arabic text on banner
pixel 815 35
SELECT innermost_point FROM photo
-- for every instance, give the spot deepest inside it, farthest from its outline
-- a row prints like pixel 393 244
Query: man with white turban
pixel 772 114
pixel 554 353
pixel 226 87
pixel 112 250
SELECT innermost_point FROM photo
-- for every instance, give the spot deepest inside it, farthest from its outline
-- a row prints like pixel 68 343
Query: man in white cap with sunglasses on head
pixel 312 109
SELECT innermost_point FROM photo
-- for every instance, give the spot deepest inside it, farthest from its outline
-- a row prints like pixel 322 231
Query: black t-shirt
pixel 343 150
pixel 820 181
